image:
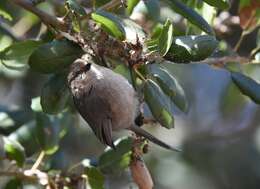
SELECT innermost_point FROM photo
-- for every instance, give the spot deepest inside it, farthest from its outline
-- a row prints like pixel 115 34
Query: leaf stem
pixel 111 5
pixel 45 18
pixel 38 161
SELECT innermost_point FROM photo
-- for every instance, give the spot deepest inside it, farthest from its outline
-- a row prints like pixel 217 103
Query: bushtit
pixel 105 100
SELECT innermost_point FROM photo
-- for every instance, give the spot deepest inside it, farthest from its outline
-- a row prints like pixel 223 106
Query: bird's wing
pixel 90 107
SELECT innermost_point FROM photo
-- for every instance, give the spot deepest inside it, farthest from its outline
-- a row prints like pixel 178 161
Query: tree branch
pixel 19 175
pixel 110 5
pixel 46 18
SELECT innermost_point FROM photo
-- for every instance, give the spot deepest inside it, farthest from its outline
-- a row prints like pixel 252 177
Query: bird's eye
pixel 87 67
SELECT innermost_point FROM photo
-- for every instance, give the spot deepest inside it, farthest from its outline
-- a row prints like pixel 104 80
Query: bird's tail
pixel 142 132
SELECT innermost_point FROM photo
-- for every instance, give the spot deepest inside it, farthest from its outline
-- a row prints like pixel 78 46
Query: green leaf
pixel 36 104
pixel 25 136
pixel 123 70
pixel 5 15
pixel 247 86
pixel 158 104
pixel 75 7
pixel 148 8
pixel 221 4
pixel 54 56
pixel 191 15
pixel 133 32
pixel 185 49
pixel 110 23
pixel 14 151
pixel 14 184
pixel 95 178
pixel 131 5
pixel 55 94
pixel 170 86
pixel 114 161
pixel 165 38
pixel 10 120
pixel 16 55
pixel 156 31
pixel 47 132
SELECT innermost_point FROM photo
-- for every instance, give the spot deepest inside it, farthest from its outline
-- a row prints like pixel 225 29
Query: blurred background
pixel 219 136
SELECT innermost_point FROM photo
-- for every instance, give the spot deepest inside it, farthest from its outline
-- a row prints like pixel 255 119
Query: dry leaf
pixel 141 174
pixel 247 14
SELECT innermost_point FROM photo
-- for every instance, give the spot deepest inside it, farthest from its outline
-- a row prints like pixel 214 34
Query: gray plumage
pixel 105 100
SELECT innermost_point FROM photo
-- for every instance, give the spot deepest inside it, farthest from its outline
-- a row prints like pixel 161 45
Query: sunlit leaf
pixel 191 15
pixel 120 28
pixel 5 15
pixel 54 56
pixel 247 86
pixel 14 151
pixel 131 5
pixel 165 38
pixel 158 104
pixel 221 4
pixel 110 23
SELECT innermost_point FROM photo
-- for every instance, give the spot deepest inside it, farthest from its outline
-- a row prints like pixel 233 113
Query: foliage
pixel 138 47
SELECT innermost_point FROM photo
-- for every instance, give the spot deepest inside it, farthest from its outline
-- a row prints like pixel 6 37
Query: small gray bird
pixel 105 100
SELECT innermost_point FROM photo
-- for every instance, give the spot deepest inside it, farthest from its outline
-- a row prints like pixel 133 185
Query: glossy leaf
pixel 191 48
pixel 16 55
pixel 191 15
pixel 114 161
pixel 170 86
pixel 120 28
pixel 95 178
pixel 221 4
pixel 14 151
pixel 110 23
pixel 54 56
pixel 165 38
pixel 55 94
pixel 247 86
pixel 75 7
pixel 131 5
pixel 5 15
pixel 158 104
pixel 133 32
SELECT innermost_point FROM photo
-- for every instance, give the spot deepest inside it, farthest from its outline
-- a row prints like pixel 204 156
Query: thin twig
pixel 111 5
pixel 38 161
pixel 45 18
pixel 221 62
pixel 19 175
pixel 245 32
